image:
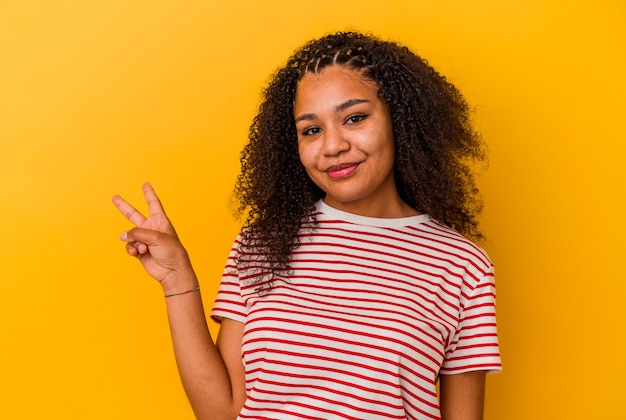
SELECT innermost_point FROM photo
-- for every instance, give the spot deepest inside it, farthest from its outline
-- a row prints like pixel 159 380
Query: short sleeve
pixel 475 344
pixel 229 302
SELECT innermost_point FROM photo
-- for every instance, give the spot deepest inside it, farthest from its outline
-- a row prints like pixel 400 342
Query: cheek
pixel 306 154
pixel 382 145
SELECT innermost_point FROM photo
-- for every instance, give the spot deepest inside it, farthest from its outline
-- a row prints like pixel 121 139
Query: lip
pixel 342 170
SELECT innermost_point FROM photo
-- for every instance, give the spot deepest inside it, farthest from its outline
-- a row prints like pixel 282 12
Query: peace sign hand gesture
pixel 155 243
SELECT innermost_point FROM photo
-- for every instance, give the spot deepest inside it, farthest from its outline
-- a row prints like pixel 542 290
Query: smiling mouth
pixel 341 171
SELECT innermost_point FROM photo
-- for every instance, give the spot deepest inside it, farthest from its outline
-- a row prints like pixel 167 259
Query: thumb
pixel 137 234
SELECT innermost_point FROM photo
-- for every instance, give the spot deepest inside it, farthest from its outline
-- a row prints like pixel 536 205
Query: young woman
pixel 352 288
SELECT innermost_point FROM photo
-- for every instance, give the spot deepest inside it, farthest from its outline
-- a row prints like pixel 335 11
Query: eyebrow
pixel 339 108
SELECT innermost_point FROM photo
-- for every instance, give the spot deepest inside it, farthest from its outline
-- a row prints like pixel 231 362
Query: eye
pixel 310 131
pixel 353 119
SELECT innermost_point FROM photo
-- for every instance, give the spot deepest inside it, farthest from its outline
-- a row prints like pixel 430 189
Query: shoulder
pixel 450 241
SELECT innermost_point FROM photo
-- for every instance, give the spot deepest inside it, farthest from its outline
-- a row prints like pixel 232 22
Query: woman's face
pixel 345 141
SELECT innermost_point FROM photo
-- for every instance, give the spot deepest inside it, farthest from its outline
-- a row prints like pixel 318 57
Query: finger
pixel 154 204
pixel 131 249
pixel 136 236
pixel 128 211
pixel 142 248
pixel 137 249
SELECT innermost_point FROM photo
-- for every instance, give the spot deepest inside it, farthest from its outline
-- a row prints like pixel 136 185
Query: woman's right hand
pixel 155 243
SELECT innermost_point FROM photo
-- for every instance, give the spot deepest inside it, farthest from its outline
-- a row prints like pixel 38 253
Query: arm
pixel 462 396
pixel 205 368
pixel 212 375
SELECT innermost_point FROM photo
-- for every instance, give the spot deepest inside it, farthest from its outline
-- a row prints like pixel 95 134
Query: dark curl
pixel 436 146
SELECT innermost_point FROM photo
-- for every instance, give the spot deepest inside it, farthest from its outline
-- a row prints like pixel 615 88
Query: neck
pixel 385 210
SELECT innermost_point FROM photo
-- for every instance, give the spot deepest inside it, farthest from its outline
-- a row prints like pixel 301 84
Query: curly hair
pixel 436 146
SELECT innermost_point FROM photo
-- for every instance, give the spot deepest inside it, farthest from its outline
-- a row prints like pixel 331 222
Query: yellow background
pixel 98 96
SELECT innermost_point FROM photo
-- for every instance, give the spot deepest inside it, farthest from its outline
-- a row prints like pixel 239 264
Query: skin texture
pixel 462 396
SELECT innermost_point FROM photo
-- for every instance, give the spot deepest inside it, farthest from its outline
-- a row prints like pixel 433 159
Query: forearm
pixel 202 370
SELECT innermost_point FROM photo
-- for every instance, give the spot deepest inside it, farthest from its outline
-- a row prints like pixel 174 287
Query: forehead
pixel 334 83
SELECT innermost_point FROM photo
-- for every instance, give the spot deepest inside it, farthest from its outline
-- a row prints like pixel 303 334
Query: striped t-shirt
pixel 371 313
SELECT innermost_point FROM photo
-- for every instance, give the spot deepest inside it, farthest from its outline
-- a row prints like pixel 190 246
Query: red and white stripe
pixel 372 312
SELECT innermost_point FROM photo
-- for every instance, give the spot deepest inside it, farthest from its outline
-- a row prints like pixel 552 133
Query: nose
pixel 335 141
